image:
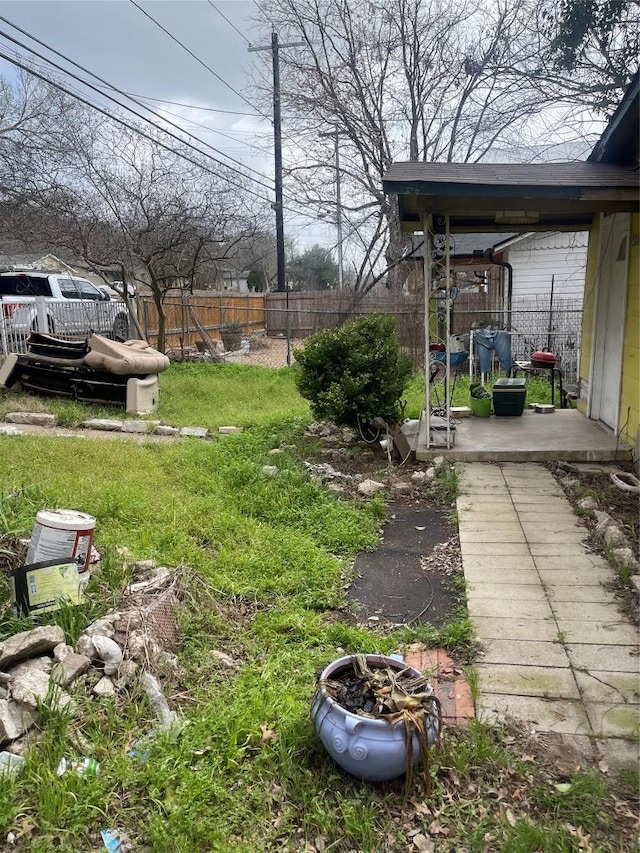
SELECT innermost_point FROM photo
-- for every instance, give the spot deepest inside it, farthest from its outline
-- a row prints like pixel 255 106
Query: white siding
pixel 536 259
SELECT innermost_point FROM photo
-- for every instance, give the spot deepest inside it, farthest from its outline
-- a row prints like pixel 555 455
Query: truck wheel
pixel 120 329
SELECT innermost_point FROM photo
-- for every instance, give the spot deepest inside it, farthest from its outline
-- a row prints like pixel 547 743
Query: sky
pixel 115 40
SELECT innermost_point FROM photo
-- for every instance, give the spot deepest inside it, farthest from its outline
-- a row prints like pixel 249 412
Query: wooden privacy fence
pixel 187 313
pixel 311 311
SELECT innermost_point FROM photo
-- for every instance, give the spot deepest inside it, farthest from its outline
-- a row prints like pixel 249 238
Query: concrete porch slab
pixel 565 435
pixel 613 720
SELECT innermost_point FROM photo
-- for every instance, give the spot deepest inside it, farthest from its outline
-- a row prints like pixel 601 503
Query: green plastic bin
pixel 480 408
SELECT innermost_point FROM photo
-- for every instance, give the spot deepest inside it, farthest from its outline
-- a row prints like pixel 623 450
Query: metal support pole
pixel 427 250
pixel 447 381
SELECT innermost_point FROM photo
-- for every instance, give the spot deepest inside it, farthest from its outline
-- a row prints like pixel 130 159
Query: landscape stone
pixel 28 644
pixel 224 658
pixel 126 674
pixel 439 461
pixel 418 477
pixel 614 537
pixel 36 418
pixel 104 687
pixel 369 488
pixel 270 470
pixel 624 556
pixel 277 451
pixel 430 473
pixel 588 503
pixel 71 667
pixel 62 651
pixel 101 627
pixel 103 424
pixel 41 664
pixel 85 646
pixel 15 719
pixel 30 686
pixel 10 430
pixel 195 432
pixel 10 764
pixel 137 427
pixel 162 429
pixel 229 430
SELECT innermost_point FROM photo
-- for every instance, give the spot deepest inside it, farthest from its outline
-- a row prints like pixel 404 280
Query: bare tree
pixel 117 200
pixel 424 80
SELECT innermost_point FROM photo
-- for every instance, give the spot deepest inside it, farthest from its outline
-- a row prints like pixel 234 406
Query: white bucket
pixel 62 533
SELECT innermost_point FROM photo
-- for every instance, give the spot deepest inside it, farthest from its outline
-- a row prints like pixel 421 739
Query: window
pixel 24 285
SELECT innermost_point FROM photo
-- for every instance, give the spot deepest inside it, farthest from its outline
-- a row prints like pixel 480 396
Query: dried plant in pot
pixel 231 334
pixel 376 717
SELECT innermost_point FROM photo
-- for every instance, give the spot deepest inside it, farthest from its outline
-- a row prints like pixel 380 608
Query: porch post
pixel 426 252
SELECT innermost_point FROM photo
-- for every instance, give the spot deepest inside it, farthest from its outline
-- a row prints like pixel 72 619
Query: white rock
pixel 418 478
pixel 27 644
pixel 29 687
pixel 103 424
pixel 15 719
pixel 137 427
pixel 369 488
pixel 277 451
pixel 224 658
pixel 614 537
pixel 270 470
pixel 625 557
pixel 40 664
pixel 66 671
pixel 126 674
pixel 162 429
pixel 430 473
pixel 10 430
pixel 62 651
pixel 101 627
pixel 229 430
pixel 195 432
pixel 587 503
pixel 109 652
pixel 85 646
pixel 439 461
pixel 35 418
pixel 104 687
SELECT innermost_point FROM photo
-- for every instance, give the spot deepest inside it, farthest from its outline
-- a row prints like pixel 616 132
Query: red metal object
pixel 543 358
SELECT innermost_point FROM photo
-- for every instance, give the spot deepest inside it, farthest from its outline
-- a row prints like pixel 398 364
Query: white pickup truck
pixel 59 304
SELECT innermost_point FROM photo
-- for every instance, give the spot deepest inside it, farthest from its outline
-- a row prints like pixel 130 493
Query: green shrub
pixel 354 373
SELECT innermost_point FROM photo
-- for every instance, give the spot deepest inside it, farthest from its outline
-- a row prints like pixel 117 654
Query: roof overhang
pixel 492 197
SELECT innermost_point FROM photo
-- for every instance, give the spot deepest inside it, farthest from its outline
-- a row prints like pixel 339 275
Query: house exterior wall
pixel 629 413
pixel 629 399
pixel 536 260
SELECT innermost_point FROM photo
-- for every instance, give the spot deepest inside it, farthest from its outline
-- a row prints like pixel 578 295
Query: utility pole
pixel 336 142
pixel 277 156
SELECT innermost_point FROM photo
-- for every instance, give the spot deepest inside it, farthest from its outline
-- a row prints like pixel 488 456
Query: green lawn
pixel 267 562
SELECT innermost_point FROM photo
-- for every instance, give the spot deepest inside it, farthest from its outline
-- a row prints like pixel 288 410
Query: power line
pixel 190 106
pixel 231 24
pixel 124 106
pixel 56 85
pixel 128 126
pixel 197 58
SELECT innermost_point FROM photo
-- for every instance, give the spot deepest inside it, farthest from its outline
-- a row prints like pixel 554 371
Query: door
pixel 610 319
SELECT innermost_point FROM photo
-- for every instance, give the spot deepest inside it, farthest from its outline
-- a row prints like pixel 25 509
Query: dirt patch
pixel 583 480
pixel 396 583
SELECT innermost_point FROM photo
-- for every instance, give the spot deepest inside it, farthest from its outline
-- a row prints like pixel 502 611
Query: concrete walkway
pixel 557 652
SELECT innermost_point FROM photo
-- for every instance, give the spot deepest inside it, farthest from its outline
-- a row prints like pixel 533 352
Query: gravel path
pixel 266 352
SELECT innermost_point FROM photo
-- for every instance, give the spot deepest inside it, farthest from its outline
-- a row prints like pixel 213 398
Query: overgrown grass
pixel 268 559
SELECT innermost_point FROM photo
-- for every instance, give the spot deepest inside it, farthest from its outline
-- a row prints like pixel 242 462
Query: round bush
pixel 354 373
